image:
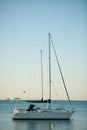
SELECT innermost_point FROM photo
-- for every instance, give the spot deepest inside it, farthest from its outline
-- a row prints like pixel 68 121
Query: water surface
pixel 77 122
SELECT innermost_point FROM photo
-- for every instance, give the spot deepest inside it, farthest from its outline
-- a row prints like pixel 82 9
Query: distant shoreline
pixel 19 99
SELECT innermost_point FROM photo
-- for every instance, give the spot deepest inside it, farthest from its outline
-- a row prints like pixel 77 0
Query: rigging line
pixel 60 71
pixel 55 89
pixel 34 73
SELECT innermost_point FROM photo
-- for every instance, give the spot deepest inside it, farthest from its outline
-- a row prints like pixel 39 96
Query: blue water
pixel 77 122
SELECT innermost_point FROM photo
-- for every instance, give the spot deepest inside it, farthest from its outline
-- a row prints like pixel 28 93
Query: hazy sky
pixel 24 27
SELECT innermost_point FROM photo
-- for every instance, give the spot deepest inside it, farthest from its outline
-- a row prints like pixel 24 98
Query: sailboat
pixel 49 113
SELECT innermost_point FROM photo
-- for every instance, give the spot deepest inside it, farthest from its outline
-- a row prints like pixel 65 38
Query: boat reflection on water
pixel 42 124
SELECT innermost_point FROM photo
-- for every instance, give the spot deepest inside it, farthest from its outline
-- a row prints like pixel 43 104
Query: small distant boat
pixel 33 113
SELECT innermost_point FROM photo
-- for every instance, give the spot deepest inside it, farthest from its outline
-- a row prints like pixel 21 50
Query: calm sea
pixel 77 122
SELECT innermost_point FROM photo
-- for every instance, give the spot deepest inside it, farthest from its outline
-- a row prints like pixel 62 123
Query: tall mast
pixel 60 71
pixel 49 69
pixel 41 75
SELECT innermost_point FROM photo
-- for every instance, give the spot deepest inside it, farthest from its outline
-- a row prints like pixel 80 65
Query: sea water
pixel 77 122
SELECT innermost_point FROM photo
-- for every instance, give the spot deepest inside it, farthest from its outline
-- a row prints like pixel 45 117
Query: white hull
pixel 43 115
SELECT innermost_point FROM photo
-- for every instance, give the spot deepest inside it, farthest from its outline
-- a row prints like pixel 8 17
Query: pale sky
pixel 24 28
